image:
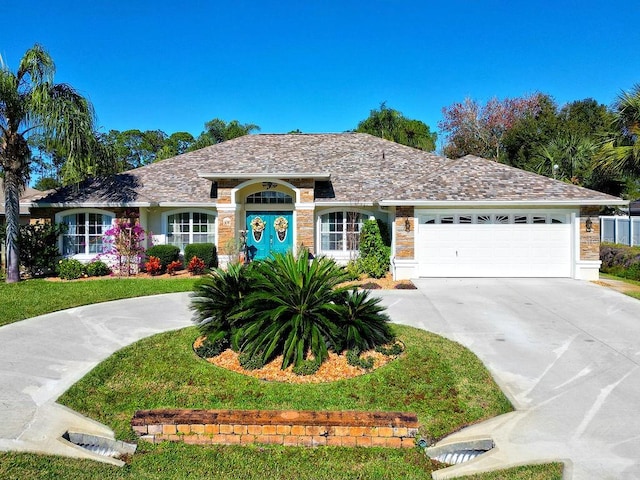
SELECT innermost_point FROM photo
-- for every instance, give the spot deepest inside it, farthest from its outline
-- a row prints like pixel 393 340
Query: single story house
pixel 467 217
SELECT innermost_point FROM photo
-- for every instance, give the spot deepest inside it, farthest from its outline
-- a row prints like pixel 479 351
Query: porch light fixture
pixel 588 224
pixel 407 225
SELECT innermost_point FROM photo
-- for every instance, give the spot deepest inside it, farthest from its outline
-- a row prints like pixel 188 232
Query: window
pixel 84 233
pixel 340 231
pixel 269 197
pixel 190 227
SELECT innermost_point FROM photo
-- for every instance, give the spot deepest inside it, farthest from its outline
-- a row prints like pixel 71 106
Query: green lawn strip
pixel 36 297
pixel 179 461
pixel 604 276
pixel 546 471
pixel 439 380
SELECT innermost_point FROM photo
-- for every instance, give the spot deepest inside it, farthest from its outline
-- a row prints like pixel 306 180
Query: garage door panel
pixel 499 250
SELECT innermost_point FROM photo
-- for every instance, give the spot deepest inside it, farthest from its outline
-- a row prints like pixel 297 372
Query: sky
pixel 321 66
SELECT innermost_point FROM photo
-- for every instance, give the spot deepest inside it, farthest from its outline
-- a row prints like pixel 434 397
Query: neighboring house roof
pixel 27 196
pixel 362 169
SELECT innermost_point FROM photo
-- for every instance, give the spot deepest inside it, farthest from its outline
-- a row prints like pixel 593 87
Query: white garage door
pixel 494 245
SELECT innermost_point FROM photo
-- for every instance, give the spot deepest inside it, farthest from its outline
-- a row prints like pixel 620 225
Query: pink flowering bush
pixel 124 241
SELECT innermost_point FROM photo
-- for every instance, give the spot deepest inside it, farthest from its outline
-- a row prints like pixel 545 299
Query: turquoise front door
pixel 268 233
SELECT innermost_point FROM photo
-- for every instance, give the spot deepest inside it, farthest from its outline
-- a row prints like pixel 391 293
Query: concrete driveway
pixel 566 353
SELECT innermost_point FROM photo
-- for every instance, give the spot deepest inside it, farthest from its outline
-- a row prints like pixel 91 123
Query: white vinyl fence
pixel 624 230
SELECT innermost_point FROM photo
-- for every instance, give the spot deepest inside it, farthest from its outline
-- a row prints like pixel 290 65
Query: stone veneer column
pixel 305 215
pixel 305 229
pixel 227 221
pixel 589 241
pixel 587 264
pixel 404 264
pixel 405 240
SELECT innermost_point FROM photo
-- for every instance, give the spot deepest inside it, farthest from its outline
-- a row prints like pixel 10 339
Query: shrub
pixel 352 271
pixel 370 286
pixel 196 266
pixel 374 254
pixel 250 361
pixel 71 269
pixel 210 349
pixel 363 323
pixel 204 251
pixel 620 260
pixel 38 245
pixel 125 240
pixel 166 254
pixel 290 306
pixel 98 268
pixel 174 266
pixel 393 350
pixel 308 367
pixel 153 265
pixel 292 310
pixel 218 297
pixel 354 359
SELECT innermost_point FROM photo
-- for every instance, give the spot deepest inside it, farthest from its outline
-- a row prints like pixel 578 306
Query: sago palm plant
pixel 293 309
pixel 217 297
pixel 363 323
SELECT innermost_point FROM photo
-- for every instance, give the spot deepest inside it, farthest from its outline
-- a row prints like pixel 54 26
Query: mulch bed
pixel 332 369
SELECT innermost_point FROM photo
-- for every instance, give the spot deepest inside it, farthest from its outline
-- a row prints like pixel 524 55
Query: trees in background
pixel 392 125
pixel 217 131
pixel 584 142
pixel 32 104
pixel 475 129
pixel 121 151
pixel 620 154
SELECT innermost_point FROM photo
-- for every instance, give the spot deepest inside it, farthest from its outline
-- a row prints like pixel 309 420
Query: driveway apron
pixel 43 356
pixel 565 352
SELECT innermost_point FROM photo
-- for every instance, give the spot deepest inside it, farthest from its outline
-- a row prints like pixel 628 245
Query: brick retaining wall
pixel 281 427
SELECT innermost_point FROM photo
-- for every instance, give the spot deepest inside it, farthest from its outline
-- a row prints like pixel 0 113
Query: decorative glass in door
pixel 268 233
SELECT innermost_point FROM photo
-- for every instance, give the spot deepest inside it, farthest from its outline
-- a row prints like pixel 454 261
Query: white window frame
pixel 343 253
pixel 86 255
pixel 168 233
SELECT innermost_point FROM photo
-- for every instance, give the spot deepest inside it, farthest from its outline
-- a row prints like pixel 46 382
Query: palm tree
pixel 622 153
pixel 30 104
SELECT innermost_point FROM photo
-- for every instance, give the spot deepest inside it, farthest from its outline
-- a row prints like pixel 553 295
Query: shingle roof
pixel 363 168
pixel 28 195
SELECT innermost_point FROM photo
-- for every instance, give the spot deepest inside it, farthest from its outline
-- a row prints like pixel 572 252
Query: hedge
pixel 204 251
pixel 166 254
pixel 620 260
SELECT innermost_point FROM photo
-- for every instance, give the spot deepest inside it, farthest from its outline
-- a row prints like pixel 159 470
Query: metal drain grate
pixel 461 452
pixel 106 447
pixel 459 456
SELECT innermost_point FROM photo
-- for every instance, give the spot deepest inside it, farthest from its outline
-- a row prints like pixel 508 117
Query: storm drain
pixel 456 453
pixel 106 447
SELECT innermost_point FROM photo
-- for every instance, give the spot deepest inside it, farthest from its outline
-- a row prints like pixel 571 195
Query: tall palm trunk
pixel 12 184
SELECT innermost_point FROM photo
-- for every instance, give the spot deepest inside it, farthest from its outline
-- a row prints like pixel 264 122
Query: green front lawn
pixel 36 297
pixel 441 381
pixel 179 461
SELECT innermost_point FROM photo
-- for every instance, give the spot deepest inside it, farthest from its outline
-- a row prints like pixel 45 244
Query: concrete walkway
pixel 43 356
pixel 566 352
